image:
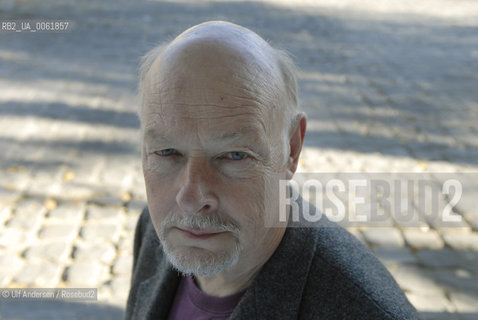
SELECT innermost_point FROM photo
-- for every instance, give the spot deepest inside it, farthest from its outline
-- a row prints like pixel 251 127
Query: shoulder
pixel 346 280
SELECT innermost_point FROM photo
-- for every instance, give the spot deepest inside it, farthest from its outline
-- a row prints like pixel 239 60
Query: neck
pixel 224 284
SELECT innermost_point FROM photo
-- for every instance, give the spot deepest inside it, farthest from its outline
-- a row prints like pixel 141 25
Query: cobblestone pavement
pixel 385 87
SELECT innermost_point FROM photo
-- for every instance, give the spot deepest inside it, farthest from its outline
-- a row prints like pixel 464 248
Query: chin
pixel 199 261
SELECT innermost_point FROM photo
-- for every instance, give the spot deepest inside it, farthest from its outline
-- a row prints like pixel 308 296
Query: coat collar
pixel 277 290
pixel 155 295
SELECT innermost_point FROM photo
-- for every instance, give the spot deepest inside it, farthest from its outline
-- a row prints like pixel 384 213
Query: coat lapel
pixel 156 294
pixel 277 290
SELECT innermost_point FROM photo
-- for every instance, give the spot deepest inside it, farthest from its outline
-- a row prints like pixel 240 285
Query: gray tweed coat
pixel 316 273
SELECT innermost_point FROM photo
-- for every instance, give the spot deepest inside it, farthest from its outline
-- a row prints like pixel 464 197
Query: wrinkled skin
pixel 215 144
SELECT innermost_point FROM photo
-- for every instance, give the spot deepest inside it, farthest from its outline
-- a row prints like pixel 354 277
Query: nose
pixel 196 192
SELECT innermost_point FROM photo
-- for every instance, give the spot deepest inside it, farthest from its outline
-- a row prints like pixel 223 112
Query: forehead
pixel 206 103
pixel 210 89
pixel 191 86
pixel 205 122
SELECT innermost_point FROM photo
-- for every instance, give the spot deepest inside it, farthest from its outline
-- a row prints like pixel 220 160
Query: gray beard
pixel 204 263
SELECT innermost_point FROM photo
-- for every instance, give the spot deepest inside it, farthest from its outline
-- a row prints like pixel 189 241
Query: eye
pixel 165 152
pixel 236 155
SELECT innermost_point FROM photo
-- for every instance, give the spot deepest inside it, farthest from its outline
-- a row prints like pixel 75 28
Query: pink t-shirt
pixel 191 303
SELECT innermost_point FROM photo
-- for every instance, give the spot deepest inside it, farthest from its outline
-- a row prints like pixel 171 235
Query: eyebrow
pixel 153 134
pixel 228 136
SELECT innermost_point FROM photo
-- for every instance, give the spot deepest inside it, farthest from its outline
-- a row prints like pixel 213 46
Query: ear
pixel 295 143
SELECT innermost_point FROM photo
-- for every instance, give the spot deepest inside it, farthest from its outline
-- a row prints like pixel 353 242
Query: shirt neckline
pixel 209 303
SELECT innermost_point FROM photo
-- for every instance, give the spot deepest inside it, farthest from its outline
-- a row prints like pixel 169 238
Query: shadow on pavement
pixel 58 310
pixel 448 316
pixel 380 85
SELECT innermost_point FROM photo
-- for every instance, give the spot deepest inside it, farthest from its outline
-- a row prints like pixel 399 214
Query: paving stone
pixel 470 260
pixel 104 294
pixel 104 252
pixel 420 239
pixel 58 231
pixel 438 220
pixel 402 209
pixel 9 266
pixel 417 280
pixel 456 279
pixel 5 212
pixel 467 204
pixel 88 175
pixel 71 191
pixel 67 212
pixel 427 315
pixel 31 207
pixel 473 222
pixel 471 216
pixel 125 244
pixel 466 304
pixel 443 258
pixel 432 206
pixel 131 222
pixel 45 274
pixel 123 264
pixel 135 206
pixel 441 166
pixel 458 226
pixel 83 274
pixel 120 287
pixel 105 274
pixel 444 231
pixel 12 238
pixel 46 184
pixel 8 196
pixel 462 241
pixel 115 177
pixel 19 181
pixel 97 212
pixel 384 237
pixel 26 219
pixel 454 226
pixel 109 232
pixel 53 251
pixel 27 215
pixel 108 201
pixel 436 303
pixel 372 219
pixel 395 256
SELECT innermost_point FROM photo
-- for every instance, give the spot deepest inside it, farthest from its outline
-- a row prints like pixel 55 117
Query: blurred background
pixel 388 86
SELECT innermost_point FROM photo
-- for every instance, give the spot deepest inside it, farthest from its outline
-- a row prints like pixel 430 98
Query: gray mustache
pixel 209 222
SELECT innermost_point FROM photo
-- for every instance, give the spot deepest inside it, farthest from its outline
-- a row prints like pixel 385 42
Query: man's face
pixel 211 159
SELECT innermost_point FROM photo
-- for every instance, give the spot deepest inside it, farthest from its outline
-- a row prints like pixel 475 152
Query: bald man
pixel 220 127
